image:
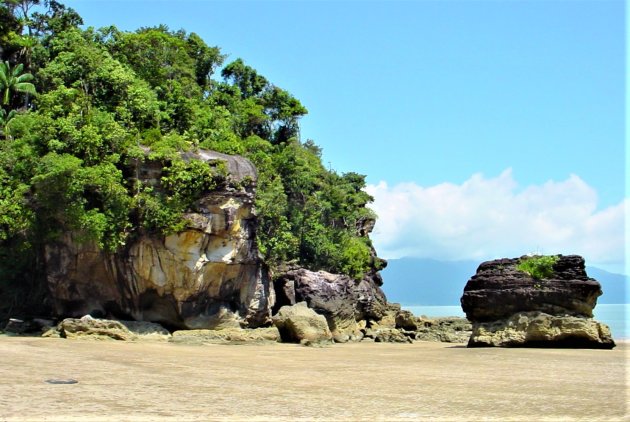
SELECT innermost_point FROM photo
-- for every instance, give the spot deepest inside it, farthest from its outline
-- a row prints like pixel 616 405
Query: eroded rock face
pixel 208 276
pixel 508 307
pixel 346 304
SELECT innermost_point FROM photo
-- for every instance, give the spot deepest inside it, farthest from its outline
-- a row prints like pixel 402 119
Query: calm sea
pixel 617 317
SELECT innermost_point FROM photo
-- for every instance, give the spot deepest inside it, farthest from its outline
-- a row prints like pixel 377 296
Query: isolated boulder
pixel 509 307
pixel 300 324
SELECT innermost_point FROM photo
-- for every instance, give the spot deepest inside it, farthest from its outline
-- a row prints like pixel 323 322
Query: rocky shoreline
pixel 505 307
pixel 296 324
pixel 208 283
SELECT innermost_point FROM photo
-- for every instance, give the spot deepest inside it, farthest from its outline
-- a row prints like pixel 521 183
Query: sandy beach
pixel 122 381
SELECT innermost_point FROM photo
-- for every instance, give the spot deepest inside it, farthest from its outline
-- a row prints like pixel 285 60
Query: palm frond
pixel 24 78
pixel 17 70
pixel 25 87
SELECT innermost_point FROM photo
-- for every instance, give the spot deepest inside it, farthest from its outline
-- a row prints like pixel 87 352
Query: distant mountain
pixel 421 281
pixel 614 286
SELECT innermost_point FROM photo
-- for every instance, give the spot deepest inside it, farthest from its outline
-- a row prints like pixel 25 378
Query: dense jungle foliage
pixel 81 107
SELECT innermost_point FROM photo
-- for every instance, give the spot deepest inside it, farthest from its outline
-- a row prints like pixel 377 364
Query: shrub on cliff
pixel 539 267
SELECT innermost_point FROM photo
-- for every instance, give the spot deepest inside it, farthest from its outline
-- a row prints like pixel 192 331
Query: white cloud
pixel 485 218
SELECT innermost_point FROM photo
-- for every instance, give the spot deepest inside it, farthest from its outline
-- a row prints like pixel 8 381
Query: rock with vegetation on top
pixel 207 276
pixel 300 324
pixel 534 301
pixel 347 304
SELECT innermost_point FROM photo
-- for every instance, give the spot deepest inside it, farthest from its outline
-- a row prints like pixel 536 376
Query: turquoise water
pixel 617 317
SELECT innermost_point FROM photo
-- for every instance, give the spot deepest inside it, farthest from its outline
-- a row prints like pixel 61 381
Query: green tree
pixel 176 66
pixel 14 81
pixel 98 80
pixel 5 120
pixel 245 78
pixel 264 109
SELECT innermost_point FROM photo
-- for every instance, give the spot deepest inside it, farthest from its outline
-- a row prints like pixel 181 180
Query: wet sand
pixel 120 381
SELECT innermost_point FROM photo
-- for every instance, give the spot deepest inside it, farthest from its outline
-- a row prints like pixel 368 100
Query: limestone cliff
pixel 209 275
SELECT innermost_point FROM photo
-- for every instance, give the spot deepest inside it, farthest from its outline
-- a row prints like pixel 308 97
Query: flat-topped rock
pixel 549 305
pixel 499 290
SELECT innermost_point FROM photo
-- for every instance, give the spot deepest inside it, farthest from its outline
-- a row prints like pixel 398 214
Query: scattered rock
pixel 27 326
pixel 52 332
pixel 347 304
pixel 61 381
pixel 300 324
pixel 147 330
pixel 508 307
pixel 18 326
pixel 388 335
pixel 388 320
pixel 445 329
pixel 92 328
pixel 406 320
pixel 227 336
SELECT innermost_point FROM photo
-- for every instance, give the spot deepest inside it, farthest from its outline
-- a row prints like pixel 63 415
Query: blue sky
pixel 491 103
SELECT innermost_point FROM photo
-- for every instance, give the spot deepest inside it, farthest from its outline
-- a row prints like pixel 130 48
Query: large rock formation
pixel 347 304
pixel 509 307
pixel 209 275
